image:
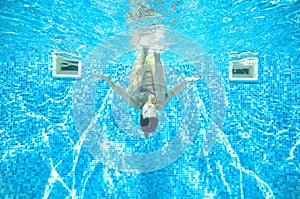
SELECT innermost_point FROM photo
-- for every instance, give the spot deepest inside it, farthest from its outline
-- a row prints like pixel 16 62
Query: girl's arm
pixel 118 89
pixel 176 89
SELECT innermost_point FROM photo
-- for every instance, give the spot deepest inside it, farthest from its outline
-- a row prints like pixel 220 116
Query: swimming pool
pixel 75 138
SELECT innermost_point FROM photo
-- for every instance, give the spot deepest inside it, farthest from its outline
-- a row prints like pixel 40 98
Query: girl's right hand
pixel 101 76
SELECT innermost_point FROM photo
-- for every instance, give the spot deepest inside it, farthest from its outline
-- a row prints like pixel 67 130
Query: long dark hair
pixel 148 124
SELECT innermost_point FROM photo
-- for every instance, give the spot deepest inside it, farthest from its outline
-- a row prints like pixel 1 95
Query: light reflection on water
pixel 40 152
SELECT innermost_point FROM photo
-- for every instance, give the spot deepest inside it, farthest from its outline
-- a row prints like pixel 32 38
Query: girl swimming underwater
pixel 147 88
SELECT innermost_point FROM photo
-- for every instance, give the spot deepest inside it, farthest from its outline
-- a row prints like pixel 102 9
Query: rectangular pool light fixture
pixel 66 67
pixel 245 69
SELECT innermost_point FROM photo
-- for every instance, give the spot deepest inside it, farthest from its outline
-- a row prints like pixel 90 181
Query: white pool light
pixel 66 65
pixel 245 69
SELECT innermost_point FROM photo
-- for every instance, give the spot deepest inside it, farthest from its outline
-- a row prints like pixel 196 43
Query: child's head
pixel 148 120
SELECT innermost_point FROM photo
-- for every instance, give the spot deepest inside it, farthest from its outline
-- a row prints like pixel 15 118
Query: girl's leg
pixel 159 77
pixel 137 73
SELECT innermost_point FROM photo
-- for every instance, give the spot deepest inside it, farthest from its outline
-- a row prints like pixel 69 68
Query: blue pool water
pixel 75 138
